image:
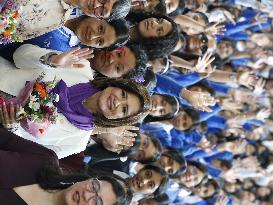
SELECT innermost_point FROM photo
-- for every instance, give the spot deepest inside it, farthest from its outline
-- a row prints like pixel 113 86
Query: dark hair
pixel 267 197
pixel 158 147
pixel 164 182
pixel 216 186
pixel 166 63
pixel 205 86
pixel 141 61
pixel 160 8
pixel 161 199
pixel 182 38
pixel 157 47
pixel 149 80
pixel 130 86
pixel 230 42
pixel 50 178
pixel 194 115
pixel 179 158
pixel 203 16
pixel 180 9
pixel 135 148
pixel 120 9
pixel 175 108
pixel 121 28
pixel 202 168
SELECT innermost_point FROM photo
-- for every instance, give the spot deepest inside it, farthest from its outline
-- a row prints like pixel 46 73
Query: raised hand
pixel 221 200
pixel 203 64
pixel 216 29
pixel 263 114
pixel 248 79
pixel 116 143
pixel 123 130
pixel 70 59
pixel 260 18
pixel 259 86
pixel 199 100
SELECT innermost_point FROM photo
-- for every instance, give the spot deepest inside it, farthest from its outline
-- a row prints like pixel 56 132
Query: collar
pixel 73 39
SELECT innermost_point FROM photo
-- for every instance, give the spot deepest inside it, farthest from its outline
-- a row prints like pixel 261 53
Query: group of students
pixel 160 102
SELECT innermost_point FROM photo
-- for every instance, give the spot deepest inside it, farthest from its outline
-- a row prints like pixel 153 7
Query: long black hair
pixel 175 108
pixel 179 158
pixel 52 178
pixel 156 47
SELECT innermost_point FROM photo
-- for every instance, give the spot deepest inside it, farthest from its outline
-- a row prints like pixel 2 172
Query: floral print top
pixel 41 16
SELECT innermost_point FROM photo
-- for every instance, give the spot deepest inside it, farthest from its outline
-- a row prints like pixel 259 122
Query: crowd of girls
pixel 160 102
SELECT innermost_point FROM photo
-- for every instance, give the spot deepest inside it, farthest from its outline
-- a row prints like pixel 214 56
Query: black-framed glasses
pixel 95 188
pixel 203 43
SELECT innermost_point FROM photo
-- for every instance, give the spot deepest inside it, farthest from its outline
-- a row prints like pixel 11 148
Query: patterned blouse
pixel 42 16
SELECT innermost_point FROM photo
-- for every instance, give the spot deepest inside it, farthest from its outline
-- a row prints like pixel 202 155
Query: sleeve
pixel 203 116
pixel 20 160
pixel 218 122
pixel 184 79
pixel 214 172
pixel 166 85
pixel 221 155
pixel 28 56
pixel 240 26
pixel 240 62
pixel 219 88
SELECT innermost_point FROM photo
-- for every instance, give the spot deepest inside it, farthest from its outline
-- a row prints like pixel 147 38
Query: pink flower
pixel 48 110
pixel 2 100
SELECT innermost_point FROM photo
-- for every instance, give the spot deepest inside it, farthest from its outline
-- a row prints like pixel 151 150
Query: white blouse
pixel 63 138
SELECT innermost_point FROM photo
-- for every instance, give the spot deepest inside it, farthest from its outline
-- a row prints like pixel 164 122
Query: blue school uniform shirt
pixel 219 88
pixel 217 122
pixel 61 39
pixel 166 85
pixel 184 79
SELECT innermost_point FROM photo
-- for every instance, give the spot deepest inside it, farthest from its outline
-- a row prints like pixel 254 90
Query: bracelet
pixel 45 59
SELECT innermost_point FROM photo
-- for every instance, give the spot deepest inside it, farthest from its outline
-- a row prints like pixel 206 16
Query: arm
pixel 185 21
pixel 29 56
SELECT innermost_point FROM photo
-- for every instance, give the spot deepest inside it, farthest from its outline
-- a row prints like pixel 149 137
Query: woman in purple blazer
pixel 30 174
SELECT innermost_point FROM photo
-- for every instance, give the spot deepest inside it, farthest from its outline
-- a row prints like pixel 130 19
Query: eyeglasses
pixel 95 188
pixel 204 43
pixel 101 11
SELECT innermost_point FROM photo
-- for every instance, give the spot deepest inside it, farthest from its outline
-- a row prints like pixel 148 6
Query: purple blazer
pixel 20 160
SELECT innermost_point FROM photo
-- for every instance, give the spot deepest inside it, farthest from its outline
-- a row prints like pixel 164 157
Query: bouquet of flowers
pixel 39 112
pixel 9 14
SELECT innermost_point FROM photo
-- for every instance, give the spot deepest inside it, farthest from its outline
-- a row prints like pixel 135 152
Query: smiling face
pixel 192 177
pixel 91 193
pixel 160 106
pixel 168 164
pixel 147 6
pixel 114 63
pixel 182 121
pixel 224 49
pixel 154 27
pixel 146 150
pixel 96 8
pixel 115 103
pixel 145 182
pixel 198 44
pixel 96 33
